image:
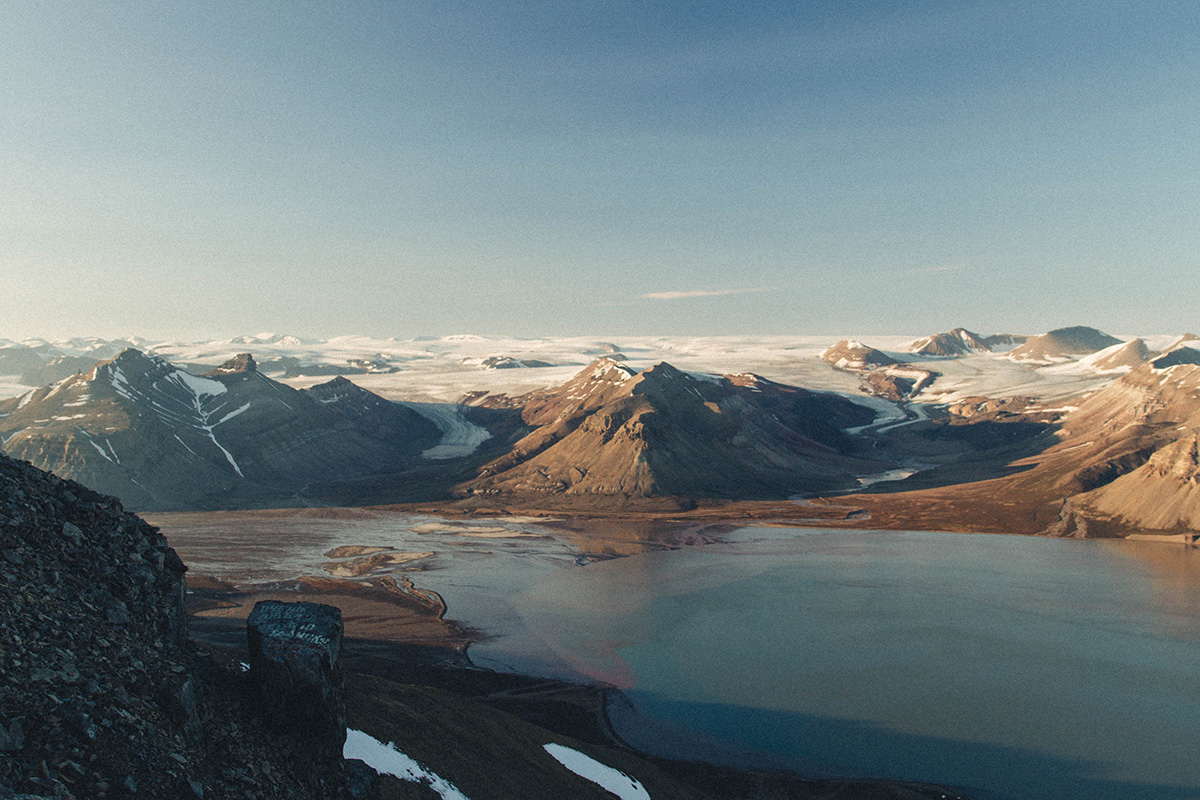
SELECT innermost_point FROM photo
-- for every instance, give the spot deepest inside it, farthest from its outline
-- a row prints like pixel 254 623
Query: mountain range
pixel 1116 456
pixel 961 341
pixel 162 438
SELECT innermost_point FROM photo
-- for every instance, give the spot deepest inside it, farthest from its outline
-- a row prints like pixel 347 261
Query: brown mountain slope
pixel 1162 494
pixel 959 341
pixel 849 354
pixel 1122 461
pixel 1063 343
pixel 611 435
pixel 1129 355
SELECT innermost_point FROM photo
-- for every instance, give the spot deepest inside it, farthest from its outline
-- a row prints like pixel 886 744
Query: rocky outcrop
pixel 882 375
pixel 291 367
pixel 898 383
pixel 242 362
pixel 296 667
pixel 508 362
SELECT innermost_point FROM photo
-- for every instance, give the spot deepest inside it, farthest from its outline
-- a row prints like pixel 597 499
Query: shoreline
pixel 579 710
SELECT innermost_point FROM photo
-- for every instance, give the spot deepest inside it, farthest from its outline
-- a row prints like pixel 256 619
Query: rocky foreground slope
pixel 101 695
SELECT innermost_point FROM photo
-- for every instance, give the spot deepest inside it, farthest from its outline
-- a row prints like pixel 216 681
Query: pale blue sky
pixel 397 168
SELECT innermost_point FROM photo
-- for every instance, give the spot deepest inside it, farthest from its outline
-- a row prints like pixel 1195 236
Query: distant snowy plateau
pixel 275 419
pixel 445 369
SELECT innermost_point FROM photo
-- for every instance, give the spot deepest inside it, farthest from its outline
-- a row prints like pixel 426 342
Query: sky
pixel 544 168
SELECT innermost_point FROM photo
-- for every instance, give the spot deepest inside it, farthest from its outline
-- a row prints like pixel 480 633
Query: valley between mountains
pixel 1069 433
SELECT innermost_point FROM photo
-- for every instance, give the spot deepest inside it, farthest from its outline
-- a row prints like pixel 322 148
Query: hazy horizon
pixel 406 169
pixel 893 340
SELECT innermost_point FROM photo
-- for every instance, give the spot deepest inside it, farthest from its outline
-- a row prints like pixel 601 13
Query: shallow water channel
pixel 1012 667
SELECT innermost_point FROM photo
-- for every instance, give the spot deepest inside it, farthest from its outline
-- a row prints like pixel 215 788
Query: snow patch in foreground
pixel 606 777
pixel 387 760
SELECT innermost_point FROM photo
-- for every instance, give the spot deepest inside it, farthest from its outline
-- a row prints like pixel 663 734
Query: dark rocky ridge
pixel 102 695
pixel 1181 354
pixel 242 362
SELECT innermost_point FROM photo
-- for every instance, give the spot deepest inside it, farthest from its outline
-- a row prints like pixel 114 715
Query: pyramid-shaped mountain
pixel 611 434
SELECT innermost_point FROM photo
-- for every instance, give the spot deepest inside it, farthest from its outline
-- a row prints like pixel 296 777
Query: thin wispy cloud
pixel 697 293
pixel 931 270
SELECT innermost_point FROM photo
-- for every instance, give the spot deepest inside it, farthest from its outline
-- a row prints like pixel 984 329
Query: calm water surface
pixel 1013 667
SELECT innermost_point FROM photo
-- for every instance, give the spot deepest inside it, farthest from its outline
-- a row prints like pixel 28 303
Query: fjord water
pixel 1013 667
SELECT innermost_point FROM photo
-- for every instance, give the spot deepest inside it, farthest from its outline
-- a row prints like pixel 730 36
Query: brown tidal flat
pixel 379 609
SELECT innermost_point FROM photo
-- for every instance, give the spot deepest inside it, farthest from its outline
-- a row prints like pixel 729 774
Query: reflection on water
pixel 1015 667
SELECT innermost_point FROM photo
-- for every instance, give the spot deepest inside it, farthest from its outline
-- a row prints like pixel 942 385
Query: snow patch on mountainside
pixel 610 779
pixel 201 387
pixel 386 759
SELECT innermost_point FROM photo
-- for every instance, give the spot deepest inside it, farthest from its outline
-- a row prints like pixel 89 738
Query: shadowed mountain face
pixel 161 438
pixel 609 433
pixel 1178 355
